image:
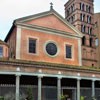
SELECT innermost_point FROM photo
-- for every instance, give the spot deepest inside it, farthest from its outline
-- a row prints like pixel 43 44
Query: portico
pixel 48 81
pixel 58 85
pixel 60 89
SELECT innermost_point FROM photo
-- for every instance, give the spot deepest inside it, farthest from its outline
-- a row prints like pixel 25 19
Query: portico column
pixel 93 88
pixel 17 86
pixel 39 87
pixel 58 88
pixel 78 89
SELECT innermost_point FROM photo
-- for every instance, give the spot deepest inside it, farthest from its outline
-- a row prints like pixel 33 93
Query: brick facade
pixel 12 43
pixel 97 32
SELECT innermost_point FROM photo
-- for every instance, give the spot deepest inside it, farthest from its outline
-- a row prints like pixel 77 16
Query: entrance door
pixel 67 93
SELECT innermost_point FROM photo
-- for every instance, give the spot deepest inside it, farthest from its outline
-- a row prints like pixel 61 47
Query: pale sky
pixel 13 9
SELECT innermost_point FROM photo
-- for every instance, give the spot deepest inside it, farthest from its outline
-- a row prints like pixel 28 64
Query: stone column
pixel 59 88
pixel 78 89
pixel 93 88
pixel 17 86
pixel 39 87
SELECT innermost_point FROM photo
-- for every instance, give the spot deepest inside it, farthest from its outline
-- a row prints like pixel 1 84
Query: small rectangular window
pixel 68 51
pixel 32 45
pixel 1 51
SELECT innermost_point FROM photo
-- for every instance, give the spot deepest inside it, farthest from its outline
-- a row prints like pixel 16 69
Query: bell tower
pixel 80 13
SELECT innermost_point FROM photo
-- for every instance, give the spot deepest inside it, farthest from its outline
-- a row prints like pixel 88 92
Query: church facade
pixel 42 52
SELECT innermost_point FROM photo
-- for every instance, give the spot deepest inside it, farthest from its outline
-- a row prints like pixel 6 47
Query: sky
pixel 13 9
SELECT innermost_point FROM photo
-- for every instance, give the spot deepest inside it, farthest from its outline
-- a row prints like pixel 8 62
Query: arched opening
pixel 90 19
pixel 90 30
pixel 84 17
pixel 71 8
pixel 89 9
pixel 83 28
pixel 92 65
pixel 91 41
pixel 83 7
pixel 84 40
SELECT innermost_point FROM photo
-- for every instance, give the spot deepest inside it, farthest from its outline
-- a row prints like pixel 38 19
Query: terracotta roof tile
pixel 2 42
pixel 50 65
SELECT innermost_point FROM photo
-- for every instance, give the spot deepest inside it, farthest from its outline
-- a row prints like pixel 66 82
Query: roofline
pixel 48 13
pixel 9 33
pixel 48 65
pixel 19 19
pixel 67 23
pixel 3 43
pixel 97 13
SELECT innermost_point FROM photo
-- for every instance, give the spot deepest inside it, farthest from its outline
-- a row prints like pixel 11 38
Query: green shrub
pixel 1 98
pixel 82 98
pixel 29 94
pixel 63 97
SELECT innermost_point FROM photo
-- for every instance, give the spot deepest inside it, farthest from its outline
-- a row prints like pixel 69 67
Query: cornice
pixel 33 64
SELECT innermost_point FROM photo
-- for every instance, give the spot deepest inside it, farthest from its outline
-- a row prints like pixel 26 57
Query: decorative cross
pixel 51 5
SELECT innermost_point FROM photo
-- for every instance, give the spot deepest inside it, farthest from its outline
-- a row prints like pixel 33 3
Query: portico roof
pixel 47 64
pixel 3 43
pixel 48 69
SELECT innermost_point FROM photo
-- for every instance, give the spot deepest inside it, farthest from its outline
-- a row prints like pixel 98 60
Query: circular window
pixel 51 49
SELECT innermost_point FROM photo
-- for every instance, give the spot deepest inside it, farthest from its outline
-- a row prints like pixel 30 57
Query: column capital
pixel 93 80
pixel 17 74
pixel 59 77
pixel 79 78
pixel 40 76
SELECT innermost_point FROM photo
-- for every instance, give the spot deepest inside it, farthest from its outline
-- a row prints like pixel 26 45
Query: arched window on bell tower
pixel 83 7
pixel 84 40
pixel 91 42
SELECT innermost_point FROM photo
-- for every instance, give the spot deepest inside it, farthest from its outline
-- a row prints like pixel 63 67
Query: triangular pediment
pixel 50 19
